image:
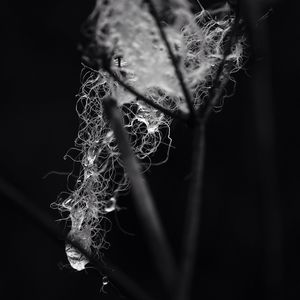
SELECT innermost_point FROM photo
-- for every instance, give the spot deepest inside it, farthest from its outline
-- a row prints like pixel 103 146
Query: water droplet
pixel 105 280
pixel 110 205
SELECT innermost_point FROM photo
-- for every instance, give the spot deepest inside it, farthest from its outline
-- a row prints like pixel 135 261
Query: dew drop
pixel 110 205
pixel 105 280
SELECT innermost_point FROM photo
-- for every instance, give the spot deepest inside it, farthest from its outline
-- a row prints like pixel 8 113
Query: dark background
pixel 41 77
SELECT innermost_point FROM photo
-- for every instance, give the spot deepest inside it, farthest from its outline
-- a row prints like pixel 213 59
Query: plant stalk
pixel 144 203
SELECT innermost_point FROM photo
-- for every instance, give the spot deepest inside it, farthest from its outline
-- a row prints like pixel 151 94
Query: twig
pixel 149 218
pixel 45 222
pixel 218 91
pixel 218 85
pixel 175 115
pixel 193 213
pixel 195 200
pixel 174 60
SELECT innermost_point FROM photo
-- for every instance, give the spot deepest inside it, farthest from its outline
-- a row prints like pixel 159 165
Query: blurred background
pixel 250 227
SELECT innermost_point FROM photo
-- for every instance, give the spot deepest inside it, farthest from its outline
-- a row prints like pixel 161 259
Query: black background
pixel 40 79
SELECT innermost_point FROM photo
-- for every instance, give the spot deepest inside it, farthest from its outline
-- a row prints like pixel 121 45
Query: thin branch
pixel 174 60
pixel 45 222
pixel 195 199
pixel 218 84
pixel 218 91
pixel 193 213
pixel 146 210
pixel 173 114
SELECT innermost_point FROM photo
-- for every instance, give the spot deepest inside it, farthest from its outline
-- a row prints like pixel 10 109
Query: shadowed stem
pixel 45 222
pixel 193 213
pixel 143 199
pixel 195 200
pixel 186 92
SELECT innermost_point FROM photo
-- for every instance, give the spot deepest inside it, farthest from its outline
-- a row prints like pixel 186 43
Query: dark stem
pixel 174 60
pixel 195 201
pixel 223 70
pixel 45 223
pixel 193 214
pixel 144 203
pixel 215 96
